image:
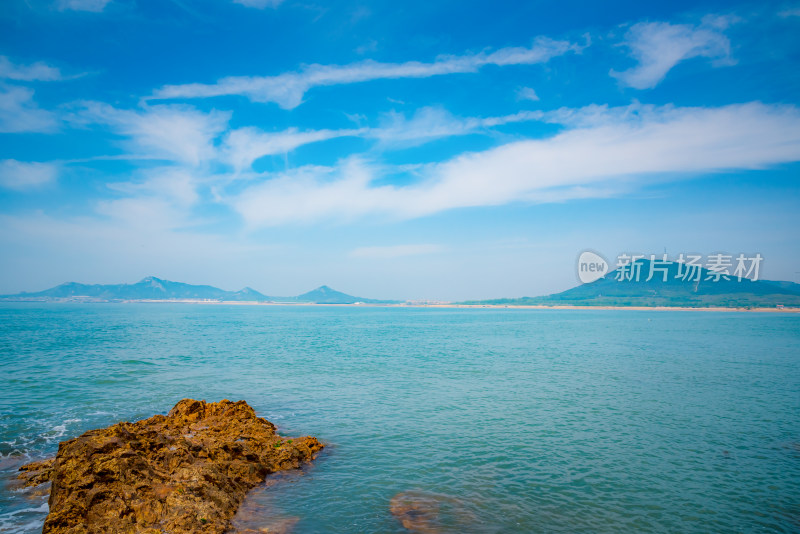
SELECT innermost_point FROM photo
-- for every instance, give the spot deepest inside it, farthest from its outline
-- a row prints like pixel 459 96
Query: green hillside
pixel 699 290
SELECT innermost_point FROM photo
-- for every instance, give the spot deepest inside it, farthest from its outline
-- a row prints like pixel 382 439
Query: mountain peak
pixel 328 295
pixel 150 280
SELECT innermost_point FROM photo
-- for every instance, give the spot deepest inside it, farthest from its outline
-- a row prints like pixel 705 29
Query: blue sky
pixel 420 150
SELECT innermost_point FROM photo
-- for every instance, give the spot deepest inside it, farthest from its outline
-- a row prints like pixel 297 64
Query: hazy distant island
pixel 670 287
pixel 156 289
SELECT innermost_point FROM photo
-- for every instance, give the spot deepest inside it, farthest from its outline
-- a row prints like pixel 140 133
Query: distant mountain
pixel 152 288
pixel 326 295
pixel 247 294
pixel 676 290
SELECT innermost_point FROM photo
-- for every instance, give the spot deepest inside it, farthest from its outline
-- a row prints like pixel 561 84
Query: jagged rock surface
pixel 184 472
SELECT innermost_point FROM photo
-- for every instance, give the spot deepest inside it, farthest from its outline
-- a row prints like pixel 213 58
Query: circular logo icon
pixel 591 266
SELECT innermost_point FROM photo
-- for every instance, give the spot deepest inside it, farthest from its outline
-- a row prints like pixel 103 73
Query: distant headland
pixel 668 285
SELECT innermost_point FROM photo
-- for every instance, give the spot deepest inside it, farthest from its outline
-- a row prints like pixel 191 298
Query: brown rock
pixel 283 525
pixel 417 512
pixel 431 513
pixel 184 472
pixel 36 473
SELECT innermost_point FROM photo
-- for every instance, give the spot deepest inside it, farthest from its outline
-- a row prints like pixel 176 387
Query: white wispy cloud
pixel 659 46
pixel 259 4
pixel 176 133
pixel 24 176
pixel 425 124
pixel 791 12
pixel 243 146
pixel 431 123
pixel 155 200
pixel 94 6
pixel 602 151
pixel 287 90
pixel 174 184
pixel 395 251
pixel 20 113
pixel 38 71
pixel 526 93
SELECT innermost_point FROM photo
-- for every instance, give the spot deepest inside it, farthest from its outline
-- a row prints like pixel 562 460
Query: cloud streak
pixel 176 185
pixel 602 151
pixel 19 113
pixel 25 176
pixel 176 133
pixel 94 6
pixel 259 4
pixel 659 46
pixel 288 89
pixel 527 93
pixel 185 135
pixel 243 146
pixel 430 123
pixel 38 71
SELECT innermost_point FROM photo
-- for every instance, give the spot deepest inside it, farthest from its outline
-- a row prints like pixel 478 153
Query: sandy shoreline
pixel 419 305
pixel 465 306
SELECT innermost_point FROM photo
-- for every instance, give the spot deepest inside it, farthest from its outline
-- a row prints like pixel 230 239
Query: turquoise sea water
pixel 514 420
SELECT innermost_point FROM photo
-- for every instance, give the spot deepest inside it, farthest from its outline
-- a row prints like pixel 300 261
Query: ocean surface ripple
pixel 509 420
